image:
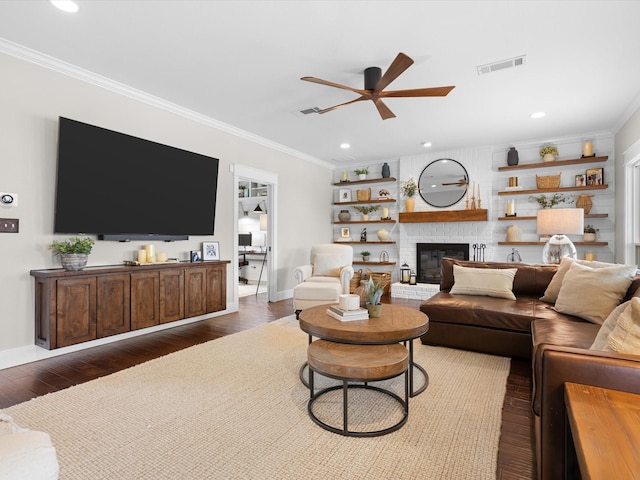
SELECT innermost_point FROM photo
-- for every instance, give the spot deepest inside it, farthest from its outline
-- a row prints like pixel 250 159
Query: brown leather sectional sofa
pixel 558 345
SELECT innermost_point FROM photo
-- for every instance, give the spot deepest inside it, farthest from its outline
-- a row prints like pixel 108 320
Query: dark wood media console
pixel 78 306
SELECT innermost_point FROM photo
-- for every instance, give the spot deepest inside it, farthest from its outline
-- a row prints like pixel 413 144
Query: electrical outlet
pixel 9 225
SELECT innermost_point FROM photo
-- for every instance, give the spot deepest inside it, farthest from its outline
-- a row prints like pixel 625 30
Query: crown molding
pixel 51 63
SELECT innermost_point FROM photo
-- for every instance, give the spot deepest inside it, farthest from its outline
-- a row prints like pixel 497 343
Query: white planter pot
pixel 589 237
pixel 362 176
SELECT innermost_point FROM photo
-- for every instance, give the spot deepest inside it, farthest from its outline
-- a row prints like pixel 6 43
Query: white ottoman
pixel 310 294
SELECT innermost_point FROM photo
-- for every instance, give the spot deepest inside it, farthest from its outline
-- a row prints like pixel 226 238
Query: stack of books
pixel 347 315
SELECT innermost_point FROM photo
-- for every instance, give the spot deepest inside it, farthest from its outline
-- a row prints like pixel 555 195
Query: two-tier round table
pixel 396 324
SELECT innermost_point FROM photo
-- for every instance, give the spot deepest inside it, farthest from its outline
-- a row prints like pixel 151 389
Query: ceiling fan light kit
pixel 375 83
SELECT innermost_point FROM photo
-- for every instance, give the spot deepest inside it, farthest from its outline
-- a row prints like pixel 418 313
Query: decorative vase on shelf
pixel 549 157
pixel 512 157
pixel 383 235
pixel 386 171
pixel 344 216
pixel 410 204
pixel 514 234
pixel 584 202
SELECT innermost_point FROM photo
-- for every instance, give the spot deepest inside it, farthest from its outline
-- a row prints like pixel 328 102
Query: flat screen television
pixel 125 188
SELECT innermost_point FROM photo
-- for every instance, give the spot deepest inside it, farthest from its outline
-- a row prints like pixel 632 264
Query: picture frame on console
pixel 210 250
pixel 195 256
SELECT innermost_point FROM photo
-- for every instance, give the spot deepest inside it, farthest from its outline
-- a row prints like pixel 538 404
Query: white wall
pixel 31 99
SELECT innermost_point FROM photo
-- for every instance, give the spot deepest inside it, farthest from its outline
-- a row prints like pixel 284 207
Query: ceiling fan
pixel 375 83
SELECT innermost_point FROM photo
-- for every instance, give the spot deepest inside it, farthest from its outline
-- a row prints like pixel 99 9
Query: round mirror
pixel 443 183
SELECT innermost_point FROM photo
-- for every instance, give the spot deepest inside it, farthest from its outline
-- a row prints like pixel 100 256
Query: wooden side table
pixel 605 426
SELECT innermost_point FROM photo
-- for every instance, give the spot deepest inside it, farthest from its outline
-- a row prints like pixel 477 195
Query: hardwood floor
pixel 516 452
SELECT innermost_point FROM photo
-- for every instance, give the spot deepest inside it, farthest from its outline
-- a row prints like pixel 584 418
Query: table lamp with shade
pixel 559 222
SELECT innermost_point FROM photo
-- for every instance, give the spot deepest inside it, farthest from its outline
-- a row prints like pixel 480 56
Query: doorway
pixel 255 244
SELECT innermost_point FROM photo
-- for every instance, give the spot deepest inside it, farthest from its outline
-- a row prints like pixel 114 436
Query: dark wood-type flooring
pixel 516 453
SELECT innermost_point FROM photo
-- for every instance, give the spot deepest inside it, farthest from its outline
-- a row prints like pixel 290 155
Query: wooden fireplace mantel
pixel 477 215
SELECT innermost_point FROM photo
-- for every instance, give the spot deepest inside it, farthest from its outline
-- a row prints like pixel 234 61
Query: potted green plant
pixel 549 153
pixel 365 255
pixel 242 188
pixel 590 233
pixel 365 210
pixel 550 201
pixel 409 189
pixel 375 291
pixel 362 173
pixel 73 252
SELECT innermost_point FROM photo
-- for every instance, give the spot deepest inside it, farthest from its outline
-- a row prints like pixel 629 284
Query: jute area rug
pixel 234 408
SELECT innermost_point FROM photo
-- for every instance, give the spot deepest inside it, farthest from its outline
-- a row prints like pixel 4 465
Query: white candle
pixel 151 253
pixel 345 176
pixel 385 212
pixel 142 255
pixel 162 257
pixel 510 207
pixel 587 149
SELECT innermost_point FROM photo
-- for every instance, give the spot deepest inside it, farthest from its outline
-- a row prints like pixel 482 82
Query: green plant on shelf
pixel 361 171
pixel 549 149
pixel 590 229
pixel 551 201
pixel 367 209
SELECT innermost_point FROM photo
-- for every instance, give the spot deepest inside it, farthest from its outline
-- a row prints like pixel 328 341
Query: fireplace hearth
pixel 429 256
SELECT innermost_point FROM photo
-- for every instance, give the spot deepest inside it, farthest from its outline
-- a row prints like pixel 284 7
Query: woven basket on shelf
pixel 363 195
pixel 355 281
pixel 549 181
pixel 384 279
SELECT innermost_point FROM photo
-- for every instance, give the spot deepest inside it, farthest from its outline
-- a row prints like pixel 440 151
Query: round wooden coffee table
pixel 396 324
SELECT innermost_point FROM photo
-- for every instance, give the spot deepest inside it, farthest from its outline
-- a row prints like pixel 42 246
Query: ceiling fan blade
pixel 399 65
pixel 329 109
pixel 333 84
pixel 419 92
pixel 383 110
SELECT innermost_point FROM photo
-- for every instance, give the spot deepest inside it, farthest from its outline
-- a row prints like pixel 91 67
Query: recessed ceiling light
pixel 537 115
pixel 426 144
pixel 344 146
pixel 65 5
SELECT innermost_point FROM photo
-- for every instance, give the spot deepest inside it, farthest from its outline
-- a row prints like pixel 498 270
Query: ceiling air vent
pixel 501 65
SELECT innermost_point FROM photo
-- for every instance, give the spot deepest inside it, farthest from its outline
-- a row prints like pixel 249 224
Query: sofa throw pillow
pixel 490 282
pixel 551 293
pixel 593 293
pixel 600 343
pixel 625 337
pixel 326 265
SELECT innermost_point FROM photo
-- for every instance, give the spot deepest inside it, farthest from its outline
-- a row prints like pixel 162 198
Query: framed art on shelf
pixel 344 232
pixel 211 250
pixel 595 176
pixel 345 195
pixel 581 180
